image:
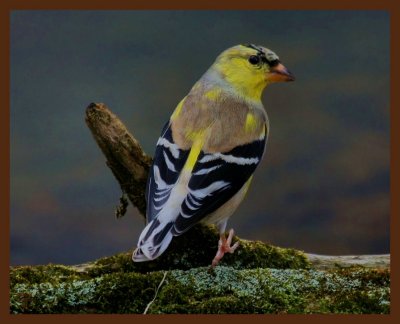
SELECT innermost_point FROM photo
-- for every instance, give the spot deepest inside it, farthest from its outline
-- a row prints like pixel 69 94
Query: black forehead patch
pixel 260 52
pixel 257 48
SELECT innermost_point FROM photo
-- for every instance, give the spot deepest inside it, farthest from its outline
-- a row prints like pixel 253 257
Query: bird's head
pixel 250 68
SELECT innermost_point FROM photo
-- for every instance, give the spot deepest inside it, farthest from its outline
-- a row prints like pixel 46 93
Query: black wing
pixel 215 179
pixel 168 161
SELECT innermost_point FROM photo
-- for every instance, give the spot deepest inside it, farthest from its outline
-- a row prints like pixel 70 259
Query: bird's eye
pixel 254 59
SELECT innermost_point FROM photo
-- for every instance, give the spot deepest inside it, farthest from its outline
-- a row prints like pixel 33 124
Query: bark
pixel 124 155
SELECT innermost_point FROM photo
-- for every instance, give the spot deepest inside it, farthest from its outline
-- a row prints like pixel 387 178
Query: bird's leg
pixel 224 246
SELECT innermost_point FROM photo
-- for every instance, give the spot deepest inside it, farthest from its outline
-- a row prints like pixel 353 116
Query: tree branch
pixel 376 261
pixel 125 157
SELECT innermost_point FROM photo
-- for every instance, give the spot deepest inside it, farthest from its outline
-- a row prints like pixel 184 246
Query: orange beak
pixel 279 73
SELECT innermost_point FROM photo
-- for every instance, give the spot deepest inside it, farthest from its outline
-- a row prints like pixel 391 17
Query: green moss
pixel 42 273
pixel 126 292
pixel 256 254
pixel 225 290
pixel 116 293
pixel 279 291
pixel 197 248
pixel 257 278
pixel 52 297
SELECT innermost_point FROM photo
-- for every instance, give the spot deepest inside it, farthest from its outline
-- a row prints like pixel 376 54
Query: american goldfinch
pixel 209 149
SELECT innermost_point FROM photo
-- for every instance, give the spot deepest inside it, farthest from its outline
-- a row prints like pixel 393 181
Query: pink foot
pixel 224 246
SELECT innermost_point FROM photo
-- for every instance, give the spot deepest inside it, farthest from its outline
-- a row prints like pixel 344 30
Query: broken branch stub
pixel 125 157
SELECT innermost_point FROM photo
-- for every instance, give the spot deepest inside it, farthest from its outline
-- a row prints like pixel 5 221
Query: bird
pixel 209 149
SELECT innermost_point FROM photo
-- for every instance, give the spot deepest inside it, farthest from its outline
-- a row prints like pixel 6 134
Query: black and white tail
pixel 153 241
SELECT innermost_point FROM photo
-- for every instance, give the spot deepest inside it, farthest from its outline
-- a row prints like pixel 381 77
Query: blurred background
pixel 323 185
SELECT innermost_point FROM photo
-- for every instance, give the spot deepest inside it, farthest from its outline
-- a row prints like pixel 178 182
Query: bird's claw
pixel 227 247
pixel 224 246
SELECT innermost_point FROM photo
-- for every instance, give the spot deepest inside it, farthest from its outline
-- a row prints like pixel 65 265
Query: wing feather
pixel 215 179
pixel 164 173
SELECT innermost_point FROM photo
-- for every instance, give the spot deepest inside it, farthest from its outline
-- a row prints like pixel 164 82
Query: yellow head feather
pixel 248 79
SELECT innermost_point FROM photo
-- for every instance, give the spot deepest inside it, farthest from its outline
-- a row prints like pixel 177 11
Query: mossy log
pixel 257 278
pixel 112 286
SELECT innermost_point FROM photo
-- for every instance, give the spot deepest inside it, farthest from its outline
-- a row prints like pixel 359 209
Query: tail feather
pixel 138 256
pixel 153 241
